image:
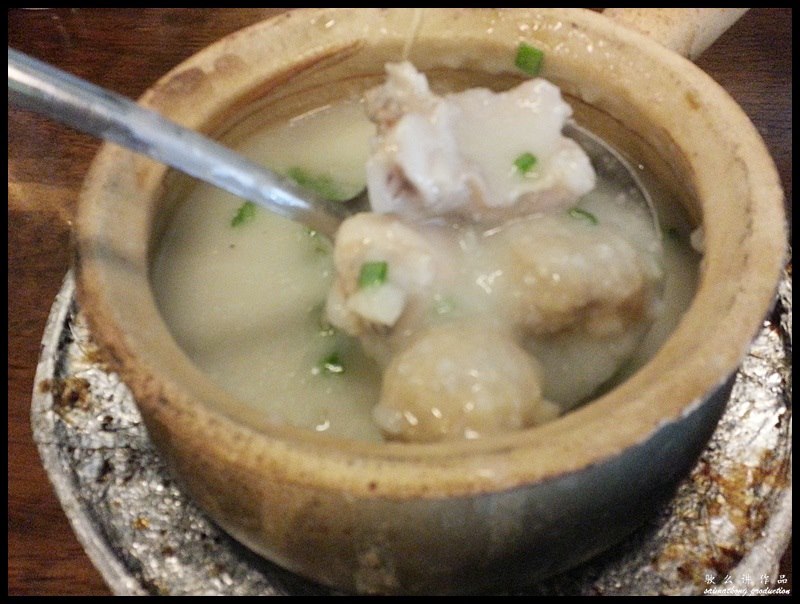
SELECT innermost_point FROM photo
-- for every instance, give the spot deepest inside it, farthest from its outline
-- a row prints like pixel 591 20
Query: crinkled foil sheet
pixel 725 528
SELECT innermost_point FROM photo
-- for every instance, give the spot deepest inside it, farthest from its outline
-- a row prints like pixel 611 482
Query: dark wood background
pixel 126 50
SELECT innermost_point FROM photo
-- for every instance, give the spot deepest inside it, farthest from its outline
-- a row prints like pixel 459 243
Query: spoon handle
pixel 77 103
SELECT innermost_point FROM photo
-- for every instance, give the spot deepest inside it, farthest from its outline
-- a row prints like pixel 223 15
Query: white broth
pixel 246 302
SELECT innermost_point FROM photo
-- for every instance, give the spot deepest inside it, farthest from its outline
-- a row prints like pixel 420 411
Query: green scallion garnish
pixel 443 305
pixel 582 214
pixel 373 274
pixel 322 184
pixel 245 213
pixel 529 59
pixel 324 329
pixel 320 243
pixel 332 364
pixel 525 162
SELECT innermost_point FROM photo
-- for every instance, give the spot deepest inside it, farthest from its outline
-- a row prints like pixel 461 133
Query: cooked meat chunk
pixel 460 380
pixel 557 272
pixel 459 154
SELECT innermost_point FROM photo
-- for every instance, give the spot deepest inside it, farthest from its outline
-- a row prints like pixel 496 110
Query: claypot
pixel 460 516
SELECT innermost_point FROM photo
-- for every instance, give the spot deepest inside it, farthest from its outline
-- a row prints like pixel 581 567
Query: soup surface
pixel 244 292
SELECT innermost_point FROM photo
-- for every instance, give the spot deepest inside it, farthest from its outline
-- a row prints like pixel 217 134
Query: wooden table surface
pixel 126 50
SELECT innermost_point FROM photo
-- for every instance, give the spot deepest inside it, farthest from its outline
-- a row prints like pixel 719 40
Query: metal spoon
pixel 75 102
pixel 614 171
pixel 70 100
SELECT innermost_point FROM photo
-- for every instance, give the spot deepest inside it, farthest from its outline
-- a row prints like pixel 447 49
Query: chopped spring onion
pixel 583 215
pixel 529 59
pixel 324 328
pixel 320 243
pixel 372 274
pixel 525 162
pixel 332 364
pixel 322 184
pixel 245 213
pixel 443 305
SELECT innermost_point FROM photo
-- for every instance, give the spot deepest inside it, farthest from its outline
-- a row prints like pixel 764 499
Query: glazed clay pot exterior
pixel 465 516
